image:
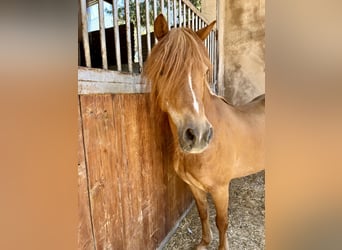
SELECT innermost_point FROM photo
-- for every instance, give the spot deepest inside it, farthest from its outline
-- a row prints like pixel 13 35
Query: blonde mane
pixel 181 51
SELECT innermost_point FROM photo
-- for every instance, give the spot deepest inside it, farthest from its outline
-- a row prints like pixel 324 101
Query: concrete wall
pixel 209 9
pixel 244 47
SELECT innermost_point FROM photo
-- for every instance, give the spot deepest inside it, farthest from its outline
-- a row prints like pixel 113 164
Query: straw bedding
pixel 246 218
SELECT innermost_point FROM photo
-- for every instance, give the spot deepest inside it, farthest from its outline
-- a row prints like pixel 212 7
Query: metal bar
pixel 174 14
pixel 220 14
pixel 85 38
pixel 189 16
pixel 193 21
pixel 214 57
pixel 140 58
pixel 155 16
pixel 148 35
pixel 102 35
pixel 180 12
pixel 196 22
pixel 184 15
pixel 154 9
pixel 162 6
pixel 168 14
pixel 194 9
pixel 128 37
pixel 209 47
pixel 116 35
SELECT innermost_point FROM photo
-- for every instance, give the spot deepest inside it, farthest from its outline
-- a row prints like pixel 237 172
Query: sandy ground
pixel 246 219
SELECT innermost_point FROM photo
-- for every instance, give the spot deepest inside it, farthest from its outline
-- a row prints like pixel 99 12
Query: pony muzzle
pixel 195 139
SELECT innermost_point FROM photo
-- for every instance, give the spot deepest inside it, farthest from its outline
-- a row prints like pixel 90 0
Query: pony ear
pixel 204 32
pixel 160 27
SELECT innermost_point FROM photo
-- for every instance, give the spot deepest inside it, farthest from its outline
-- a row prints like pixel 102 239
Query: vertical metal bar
pixel 209 43
pixel 154 9
pixel 162 7
pixel 116 35
pixel 184 15
pixel 180 12
pixel 128 37
pixel 193 21
pixel 174 14
pixel 148 35
pixel 215 59
pixel 196 23
pixel 137 7
pixel 189 17
pixel 168 14
pixel 102 36
pixel 85 37
pixel 155 15
pixel 211 55
pixel 220 14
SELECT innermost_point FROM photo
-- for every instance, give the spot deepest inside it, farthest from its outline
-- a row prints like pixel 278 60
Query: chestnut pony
pixel 211 141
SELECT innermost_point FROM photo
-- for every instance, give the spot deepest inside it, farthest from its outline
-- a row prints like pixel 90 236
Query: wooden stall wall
pixel 128 199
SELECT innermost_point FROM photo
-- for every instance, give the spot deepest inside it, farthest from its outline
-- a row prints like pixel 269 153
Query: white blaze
pixel 195 103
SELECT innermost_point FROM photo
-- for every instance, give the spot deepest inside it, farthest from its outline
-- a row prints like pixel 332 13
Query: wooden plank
pixel 85 37
pixel 102 35
pixel 87 88
pixel 127 114
pixel 102 147
pixel 85 233
pixel 116 34
pixel 99 81
pixel 128 36
pixel 136 197
pixel 147 15
pixel 139 46
pixel 101 75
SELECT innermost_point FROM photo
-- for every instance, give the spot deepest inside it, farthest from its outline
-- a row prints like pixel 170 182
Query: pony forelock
pixel 180 52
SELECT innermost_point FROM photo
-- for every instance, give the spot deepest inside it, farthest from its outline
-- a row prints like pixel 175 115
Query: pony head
pixel 178 69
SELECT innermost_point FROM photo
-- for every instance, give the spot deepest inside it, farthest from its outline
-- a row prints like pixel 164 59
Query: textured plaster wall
pixel 209 9
pixel 244 46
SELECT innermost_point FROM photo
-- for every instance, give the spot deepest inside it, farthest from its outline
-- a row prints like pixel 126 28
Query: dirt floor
pixel 246 219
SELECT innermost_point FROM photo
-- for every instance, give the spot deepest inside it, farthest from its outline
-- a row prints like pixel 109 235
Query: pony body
pixel 211 141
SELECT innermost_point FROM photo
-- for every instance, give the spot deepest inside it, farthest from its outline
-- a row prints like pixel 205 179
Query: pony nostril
pixel 209 134
pixel 190 135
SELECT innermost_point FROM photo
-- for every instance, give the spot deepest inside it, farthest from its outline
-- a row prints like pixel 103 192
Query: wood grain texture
pixel 85 235
pixel 135 195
